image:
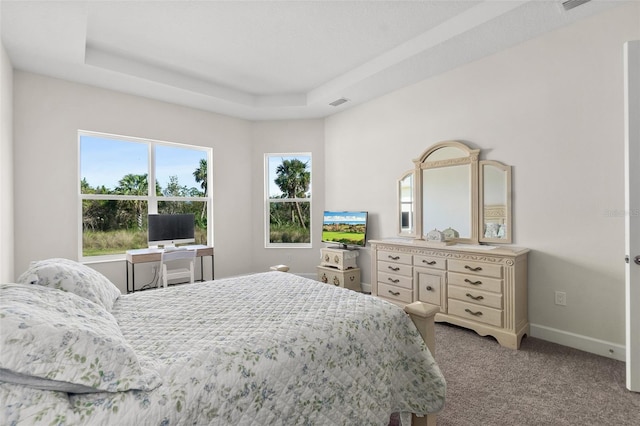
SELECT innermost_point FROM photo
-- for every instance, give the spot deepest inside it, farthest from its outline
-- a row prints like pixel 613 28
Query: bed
pixel 268 348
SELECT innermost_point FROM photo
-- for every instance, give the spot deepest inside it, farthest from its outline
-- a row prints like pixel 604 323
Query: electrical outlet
pixel 561 298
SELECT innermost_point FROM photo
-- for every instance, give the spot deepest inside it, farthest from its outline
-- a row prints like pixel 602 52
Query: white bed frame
pixel 423 316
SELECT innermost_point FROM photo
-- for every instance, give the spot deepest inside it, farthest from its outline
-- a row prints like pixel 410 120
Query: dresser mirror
pixel 451 191
pixel 405 203
pixel 446 201
pixel 495 199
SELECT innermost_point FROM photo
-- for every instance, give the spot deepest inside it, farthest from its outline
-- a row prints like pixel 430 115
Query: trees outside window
pixel 116 198
pixel 288 200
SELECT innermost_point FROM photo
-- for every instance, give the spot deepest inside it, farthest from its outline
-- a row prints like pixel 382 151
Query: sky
pixel 105 161
pixel 345 217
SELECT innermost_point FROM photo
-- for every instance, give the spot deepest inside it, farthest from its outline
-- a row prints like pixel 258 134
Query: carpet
pixel 542 383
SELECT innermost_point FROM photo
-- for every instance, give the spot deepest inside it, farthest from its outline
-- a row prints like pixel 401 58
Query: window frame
pixel 151 198
pixel 268 201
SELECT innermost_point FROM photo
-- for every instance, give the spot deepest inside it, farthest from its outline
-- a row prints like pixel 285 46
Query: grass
pixel 342 237
pixel 100 243
pixel 289 234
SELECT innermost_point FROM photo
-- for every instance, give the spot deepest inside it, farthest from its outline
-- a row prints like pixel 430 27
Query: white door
pixel 632 213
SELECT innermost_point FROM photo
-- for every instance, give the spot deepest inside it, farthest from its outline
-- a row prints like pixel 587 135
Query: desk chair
pixel 168 257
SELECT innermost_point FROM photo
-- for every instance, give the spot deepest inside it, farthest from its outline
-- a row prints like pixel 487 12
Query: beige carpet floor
pixel 541 384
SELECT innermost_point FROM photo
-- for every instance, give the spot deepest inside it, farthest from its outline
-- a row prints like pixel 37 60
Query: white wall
pixel 6 168
pixel 553 109
pixel 279 137
pixel 46 162
pixel 48 113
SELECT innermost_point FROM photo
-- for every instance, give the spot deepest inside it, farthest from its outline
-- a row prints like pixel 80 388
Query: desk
pixel 154 254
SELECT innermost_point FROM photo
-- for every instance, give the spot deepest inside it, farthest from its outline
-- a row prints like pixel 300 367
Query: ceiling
pixel 267 60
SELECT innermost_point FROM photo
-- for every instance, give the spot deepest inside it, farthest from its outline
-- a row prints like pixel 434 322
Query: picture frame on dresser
pixel 474 284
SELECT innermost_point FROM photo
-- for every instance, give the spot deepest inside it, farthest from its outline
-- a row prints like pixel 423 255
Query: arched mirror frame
pixel 424 163
pixel 478 212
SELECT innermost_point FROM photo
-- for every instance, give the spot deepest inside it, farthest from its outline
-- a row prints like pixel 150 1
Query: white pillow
pixel 74 277
pixel 68 340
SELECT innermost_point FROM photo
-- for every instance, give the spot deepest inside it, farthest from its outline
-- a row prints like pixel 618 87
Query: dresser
pixel 483 288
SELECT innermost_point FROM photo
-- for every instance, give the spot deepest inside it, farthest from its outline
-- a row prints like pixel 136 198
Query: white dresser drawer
pixel 395 268
pixel 430 289
pixel 479 283
pixel 429 262
pixel 475 312
pixel 396 293
pixel 347 279
pixel 397 280
pixel 476 268
pixel 338 258
pixel 392 256
pixel 484 298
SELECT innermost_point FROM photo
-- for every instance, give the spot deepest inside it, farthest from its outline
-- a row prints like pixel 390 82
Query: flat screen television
pixel 348 228
pixel 170 229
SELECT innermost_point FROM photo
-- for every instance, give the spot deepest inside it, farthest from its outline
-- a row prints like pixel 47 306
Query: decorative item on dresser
pixel 451 204
pixel 339 267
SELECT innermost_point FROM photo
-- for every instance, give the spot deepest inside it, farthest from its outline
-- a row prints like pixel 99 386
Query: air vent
pixel 339 102
pixel 570 4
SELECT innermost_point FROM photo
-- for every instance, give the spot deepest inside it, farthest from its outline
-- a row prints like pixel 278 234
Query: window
pixel 116 198
pixel 288 200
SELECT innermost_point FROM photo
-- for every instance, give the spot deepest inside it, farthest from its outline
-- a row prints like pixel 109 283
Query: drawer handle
pixel 466 280
pixel 474 297
pixel 352 278
pixel 394 268
pixel 394 293
pixel 393 257
pixel 336 281
pixel 432 262
pixel 475 314
pixel 429 288
pixel 336 259
pixel 477 269
pixel 395 281
pixel 326 257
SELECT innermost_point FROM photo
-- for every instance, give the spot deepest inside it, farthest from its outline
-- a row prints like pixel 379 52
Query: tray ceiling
pixel 267 59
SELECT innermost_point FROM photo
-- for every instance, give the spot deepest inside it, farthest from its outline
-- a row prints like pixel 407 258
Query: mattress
pixel 269 348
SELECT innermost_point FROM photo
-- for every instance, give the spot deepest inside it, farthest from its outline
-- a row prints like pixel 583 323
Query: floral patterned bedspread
pixel 269 348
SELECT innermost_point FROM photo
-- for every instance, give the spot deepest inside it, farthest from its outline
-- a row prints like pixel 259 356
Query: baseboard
pixel 577 341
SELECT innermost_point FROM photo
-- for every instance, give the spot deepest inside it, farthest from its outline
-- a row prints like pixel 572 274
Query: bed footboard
pixel 422 316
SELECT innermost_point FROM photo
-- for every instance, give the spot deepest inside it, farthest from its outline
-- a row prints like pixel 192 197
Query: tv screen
pixel 171 229
pixel 347 228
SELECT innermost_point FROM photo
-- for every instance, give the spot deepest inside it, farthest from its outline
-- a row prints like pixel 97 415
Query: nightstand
pixel 338 267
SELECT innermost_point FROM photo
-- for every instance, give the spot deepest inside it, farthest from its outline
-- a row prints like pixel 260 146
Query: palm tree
pixel 132 184
pixel 294 179
pixel 200 174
